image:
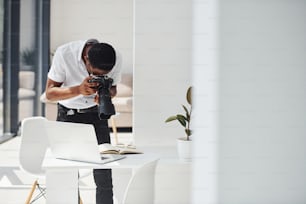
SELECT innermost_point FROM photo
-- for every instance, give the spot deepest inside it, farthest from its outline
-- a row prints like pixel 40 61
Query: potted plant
pixel 28 59
pixel 184 145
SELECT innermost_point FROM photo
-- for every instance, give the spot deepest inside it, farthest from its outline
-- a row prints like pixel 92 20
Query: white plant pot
pixel 184 149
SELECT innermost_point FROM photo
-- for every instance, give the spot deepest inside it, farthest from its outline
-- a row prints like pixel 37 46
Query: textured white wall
pixel 260 142
pixel 108 21
pixel 162 68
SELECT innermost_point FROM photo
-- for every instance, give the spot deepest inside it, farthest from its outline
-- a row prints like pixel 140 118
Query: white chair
pixel 34 143
pixel 32 150
pixel 141 187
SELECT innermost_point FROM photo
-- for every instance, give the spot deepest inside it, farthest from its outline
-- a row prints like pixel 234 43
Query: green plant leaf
pixel 171 118
pixel 181 116
pixel 188 132
pixel 189 95
pixel 182 119
pixel 187 113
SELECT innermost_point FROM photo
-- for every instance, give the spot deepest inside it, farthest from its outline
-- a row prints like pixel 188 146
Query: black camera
pixel 106 108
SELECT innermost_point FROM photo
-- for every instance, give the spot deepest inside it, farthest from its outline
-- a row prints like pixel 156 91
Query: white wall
pixel 162 68
pixel 108 21
pixel 259 135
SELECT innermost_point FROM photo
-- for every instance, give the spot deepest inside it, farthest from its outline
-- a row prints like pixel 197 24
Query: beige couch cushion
pixel 124 90
pixel 125 87
pixel 26 84
pixel 26 79
pixel 23 94
pixel 26 93
pixel 123 104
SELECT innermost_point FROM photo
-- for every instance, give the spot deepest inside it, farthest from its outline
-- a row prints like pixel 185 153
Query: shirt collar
pixel 81 50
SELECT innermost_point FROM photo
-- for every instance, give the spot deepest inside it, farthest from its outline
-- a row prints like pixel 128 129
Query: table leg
pixel 62 186
pixel 114 128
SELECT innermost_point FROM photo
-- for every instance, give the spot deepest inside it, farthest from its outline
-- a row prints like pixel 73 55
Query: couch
pixel 26 94
pixel 123 103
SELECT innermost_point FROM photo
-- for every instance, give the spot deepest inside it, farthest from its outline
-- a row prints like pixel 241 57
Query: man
pixel 73 65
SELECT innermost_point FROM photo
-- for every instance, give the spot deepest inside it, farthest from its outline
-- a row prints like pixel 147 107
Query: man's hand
pixel 112 91
pixel 54 91
pixel 88 88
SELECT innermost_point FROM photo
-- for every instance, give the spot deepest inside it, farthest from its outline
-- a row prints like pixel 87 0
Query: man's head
pixel 102 56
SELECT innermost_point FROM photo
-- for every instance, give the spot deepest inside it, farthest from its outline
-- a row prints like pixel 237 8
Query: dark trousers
pixel 102 177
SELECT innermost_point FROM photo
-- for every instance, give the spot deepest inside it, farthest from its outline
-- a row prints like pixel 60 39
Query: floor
pixel 15 184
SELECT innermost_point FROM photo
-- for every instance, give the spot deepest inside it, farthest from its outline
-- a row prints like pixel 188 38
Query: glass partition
pixel 24 28
pixel 1 60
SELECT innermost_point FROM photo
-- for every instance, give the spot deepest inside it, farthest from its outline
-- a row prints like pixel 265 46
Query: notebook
pixel 76 141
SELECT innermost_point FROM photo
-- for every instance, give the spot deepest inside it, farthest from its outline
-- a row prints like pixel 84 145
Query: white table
pixel 62 175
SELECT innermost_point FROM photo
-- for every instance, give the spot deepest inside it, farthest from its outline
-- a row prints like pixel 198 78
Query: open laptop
pixel 76 141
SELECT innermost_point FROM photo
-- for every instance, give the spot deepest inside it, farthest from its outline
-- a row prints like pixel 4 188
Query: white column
pixel 250 135
pixel 205 114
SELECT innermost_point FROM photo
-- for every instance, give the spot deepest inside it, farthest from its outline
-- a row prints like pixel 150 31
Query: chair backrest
pixel 141 187
pixel 34 143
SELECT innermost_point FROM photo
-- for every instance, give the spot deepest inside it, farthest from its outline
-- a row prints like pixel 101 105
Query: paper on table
pixel 107 148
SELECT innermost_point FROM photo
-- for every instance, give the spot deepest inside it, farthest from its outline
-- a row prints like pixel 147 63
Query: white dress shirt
pixel 68 68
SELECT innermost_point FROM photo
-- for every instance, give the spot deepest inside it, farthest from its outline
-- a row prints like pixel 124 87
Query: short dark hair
pixel 102 56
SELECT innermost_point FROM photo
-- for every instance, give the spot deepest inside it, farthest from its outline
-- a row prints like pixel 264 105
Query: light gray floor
pixel 15 184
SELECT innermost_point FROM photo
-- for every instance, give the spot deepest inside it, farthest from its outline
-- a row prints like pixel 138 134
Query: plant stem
pixel 188 123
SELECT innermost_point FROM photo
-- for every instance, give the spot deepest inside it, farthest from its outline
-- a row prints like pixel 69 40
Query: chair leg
pixel 114 128
pixel 31 193
pixel 28 201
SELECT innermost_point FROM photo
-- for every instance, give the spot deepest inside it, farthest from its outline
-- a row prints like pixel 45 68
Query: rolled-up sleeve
pixel 57 71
